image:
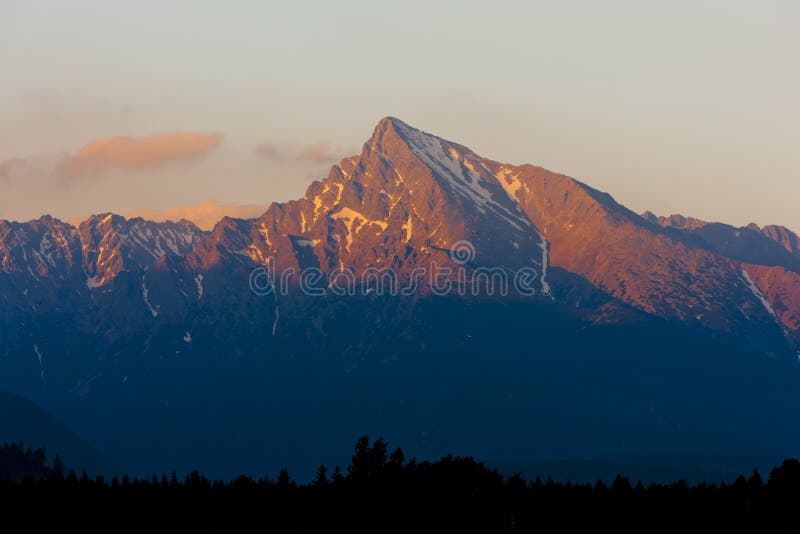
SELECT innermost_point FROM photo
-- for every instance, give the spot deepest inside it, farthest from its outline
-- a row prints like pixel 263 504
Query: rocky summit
pixel 132 323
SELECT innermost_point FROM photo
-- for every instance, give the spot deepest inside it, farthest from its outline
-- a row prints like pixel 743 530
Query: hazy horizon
pixel 684 108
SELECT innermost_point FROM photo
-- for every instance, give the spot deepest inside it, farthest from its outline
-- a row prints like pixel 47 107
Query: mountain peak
pixel 391 129
pixel 391 122
pixel 102 219
pixel 455 168
pixel 676 220
pixel 387 130
pixel 111 243
pixel 388 119
pixel 401 203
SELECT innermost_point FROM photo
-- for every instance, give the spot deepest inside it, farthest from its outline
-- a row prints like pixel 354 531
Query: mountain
pixel 399 205
pixel 23 421
pixel 50 266
pixel 772 245
pixel 620 253
pixel 780 234
pixel 675 221
pixel 769 256
pixel 420 291
pixel 111 244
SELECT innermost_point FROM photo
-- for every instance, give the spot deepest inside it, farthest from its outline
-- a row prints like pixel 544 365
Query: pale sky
pixel 686 107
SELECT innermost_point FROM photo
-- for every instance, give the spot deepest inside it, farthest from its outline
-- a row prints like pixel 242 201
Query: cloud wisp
pixel 131 153
pixel 205 215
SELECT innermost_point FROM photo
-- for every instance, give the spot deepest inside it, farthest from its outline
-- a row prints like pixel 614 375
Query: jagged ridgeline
pixel 633 334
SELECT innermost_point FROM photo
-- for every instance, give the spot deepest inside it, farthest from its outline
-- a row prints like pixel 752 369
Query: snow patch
pixel 198 280
pixel 39 357
pixel 264 231
pixel 340 188
pixel 354 220
pixel 28 265
pixel 408 228
pixel 146 297
pixel 46 251
pixel 187 337
pixel 318 200
pixel 758 294
pixel 141 236
pixel 510 182
pixel 460 173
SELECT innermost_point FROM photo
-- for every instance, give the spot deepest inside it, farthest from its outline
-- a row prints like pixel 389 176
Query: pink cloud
pixel 129 153
pixel 205 215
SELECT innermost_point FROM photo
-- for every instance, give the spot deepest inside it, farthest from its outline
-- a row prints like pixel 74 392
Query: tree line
pixel 382 491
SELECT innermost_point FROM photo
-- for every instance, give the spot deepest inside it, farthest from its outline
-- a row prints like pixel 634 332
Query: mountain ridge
pixel 407 198
pixel 165 344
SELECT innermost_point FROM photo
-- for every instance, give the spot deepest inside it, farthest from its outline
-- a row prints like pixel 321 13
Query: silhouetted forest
pixel 382 491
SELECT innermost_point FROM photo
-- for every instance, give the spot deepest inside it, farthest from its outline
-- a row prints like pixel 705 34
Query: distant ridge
pixel 23 421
